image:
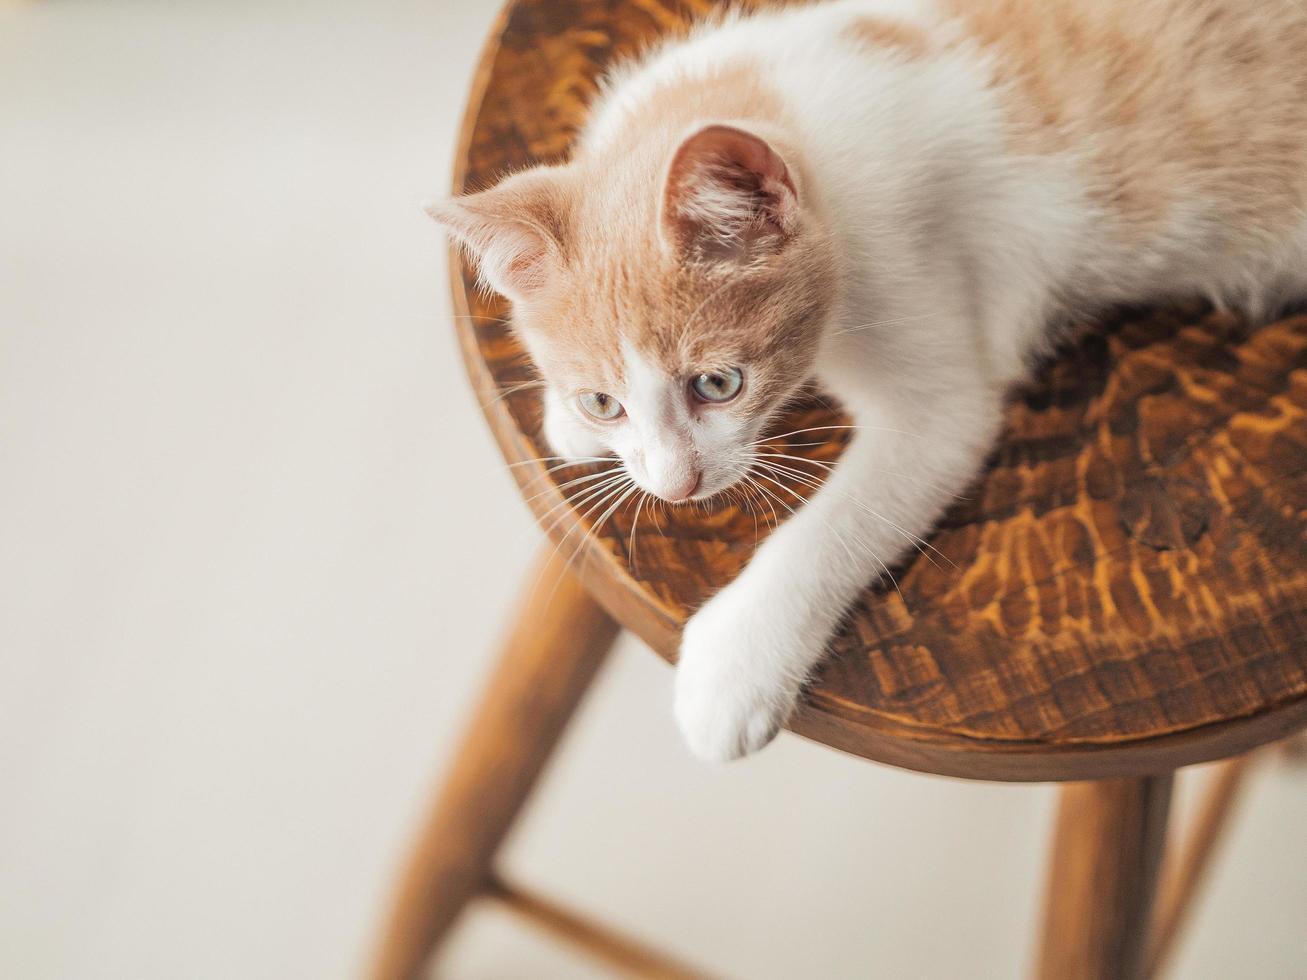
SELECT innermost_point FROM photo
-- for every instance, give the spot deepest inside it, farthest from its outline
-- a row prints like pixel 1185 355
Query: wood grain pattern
pixel 553 652
pixel 1125 589
pixel 1107 848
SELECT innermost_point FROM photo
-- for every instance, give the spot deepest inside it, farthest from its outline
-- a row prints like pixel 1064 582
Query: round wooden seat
pixel 1124 590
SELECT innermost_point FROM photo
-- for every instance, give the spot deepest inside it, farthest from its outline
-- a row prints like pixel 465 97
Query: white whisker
pixel 840 538
pixel 603 498
pixel 635 521
pixel 921 544
pixel 823 428
pixel 881 323
pixel 513 391
pixel 571 483
pixel 549 471
pixel 573 504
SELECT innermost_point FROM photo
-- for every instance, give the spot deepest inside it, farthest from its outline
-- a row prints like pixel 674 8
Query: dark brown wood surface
pixel 1125 589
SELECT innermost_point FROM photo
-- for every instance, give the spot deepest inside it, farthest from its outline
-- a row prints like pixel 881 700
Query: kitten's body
pixel 950 180
pixel 1060 154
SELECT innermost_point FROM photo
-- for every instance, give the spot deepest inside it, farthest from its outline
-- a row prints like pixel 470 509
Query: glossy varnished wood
pixel 550 657
pixel 1107 848
pixel 1123 592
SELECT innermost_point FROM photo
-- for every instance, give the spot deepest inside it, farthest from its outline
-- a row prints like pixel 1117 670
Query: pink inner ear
pixel 728 194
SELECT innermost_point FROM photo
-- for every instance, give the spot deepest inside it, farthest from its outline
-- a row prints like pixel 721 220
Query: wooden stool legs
pixel 1107 849
pixel 551 656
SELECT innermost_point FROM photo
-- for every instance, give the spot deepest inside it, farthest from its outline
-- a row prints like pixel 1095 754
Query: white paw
pixel 737 680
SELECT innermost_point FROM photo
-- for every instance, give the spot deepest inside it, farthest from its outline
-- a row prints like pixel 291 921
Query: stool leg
pixel 1107 848
pixel 1186 863
pixel 549 660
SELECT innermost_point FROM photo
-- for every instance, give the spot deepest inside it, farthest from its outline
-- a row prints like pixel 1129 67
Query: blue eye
pixel 600 406
pixel 718 386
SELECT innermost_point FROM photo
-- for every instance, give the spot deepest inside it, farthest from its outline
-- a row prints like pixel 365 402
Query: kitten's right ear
pixel 728 196
pixel 514 231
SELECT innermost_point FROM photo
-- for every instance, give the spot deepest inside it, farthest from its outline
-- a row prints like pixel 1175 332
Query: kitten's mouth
pixel 706 490
pixel 706 487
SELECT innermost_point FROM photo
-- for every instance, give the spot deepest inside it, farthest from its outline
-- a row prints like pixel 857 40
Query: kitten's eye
pixel 719 386
pixel 597 405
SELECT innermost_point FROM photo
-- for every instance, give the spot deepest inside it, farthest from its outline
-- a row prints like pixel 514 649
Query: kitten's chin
pixel 710 490
pixel 700 496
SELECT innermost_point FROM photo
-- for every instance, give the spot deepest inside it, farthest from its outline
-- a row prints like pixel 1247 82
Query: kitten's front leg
pixel 746 654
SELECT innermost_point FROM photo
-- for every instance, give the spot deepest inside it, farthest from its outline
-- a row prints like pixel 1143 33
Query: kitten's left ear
pixel 515 231
pixel 728 196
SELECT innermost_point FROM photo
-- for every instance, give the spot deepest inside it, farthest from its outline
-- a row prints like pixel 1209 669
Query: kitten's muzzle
pixel 683 491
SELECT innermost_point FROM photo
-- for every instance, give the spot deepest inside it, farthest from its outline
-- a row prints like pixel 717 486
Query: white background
pixel 256 547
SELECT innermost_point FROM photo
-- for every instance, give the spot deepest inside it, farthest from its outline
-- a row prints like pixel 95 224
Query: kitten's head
pixel 672 299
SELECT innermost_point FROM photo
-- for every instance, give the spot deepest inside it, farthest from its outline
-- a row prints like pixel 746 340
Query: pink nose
pixel 685 489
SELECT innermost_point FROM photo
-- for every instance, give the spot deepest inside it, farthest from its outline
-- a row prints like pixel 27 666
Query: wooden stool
pixel 1124 592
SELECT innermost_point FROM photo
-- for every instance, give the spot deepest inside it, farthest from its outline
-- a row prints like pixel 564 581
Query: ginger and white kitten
pixel 899 199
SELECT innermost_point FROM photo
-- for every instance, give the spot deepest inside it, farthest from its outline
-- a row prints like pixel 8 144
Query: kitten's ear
pixel 728 196
pixel 514 231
